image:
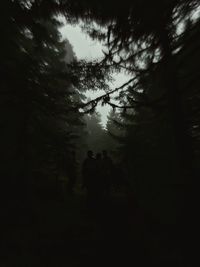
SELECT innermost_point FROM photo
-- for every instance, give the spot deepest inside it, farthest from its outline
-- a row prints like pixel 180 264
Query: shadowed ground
pixel 63 233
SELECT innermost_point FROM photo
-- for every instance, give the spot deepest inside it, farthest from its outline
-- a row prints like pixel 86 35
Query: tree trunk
pixel 184 190
pixel 180 127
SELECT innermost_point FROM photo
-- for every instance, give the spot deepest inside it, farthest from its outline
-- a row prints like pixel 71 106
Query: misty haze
pixel 100 132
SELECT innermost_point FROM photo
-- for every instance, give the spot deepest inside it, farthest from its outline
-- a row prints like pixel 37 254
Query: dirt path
pixel 63 234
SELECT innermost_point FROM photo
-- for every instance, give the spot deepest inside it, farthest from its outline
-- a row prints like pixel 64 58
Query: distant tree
pixel 114 134
pixel 95 132
pixel 139 37
pixel 41 96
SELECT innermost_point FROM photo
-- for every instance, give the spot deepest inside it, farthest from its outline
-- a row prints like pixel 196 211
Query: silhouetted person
pixel 99 188
pixel 72 166
pixel 107 167
pixel 89 181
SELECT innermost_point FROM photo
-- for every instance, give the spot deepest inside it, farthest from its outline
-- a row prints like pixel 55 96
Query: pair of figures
pixel 97 174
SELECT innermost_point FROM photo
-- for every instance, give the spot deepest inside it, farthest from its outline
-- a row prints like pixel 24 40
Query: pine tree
pixel 41 121
pixel 95 132
pixel 141 37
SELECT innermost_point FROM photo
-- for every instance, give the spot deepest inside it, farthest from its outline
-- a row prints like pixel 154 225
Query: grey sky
pixel 85 48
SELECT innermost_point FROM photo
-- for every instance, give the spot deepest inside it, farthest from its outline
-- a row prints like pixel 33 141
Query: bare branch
pixel 104 96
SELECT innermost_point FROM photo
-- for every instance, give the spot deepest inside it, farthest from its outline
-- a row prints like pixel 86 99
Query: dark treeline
pixel 152 133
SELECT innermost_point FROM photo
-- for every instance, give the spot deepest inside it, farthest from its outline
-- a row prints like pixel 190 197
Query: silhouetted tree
pixel 139 37
pixel 41 96
pixel 95 132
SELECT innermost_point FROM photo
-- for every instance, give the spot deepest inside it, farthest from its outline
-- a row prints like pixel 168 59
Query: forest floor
pixel 65 235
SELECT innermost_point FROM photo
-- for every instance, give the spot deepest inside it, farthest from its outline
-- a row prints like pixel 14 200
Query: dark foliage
pixel 157 122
